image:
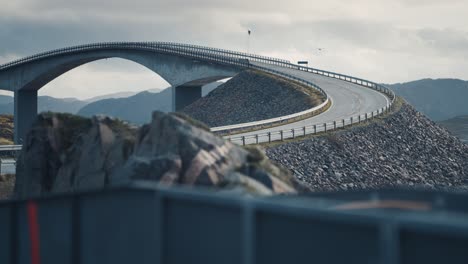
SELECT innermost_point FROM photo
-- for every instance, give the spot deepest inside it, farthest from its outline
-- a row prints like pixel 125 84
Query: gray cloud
pixel 388 41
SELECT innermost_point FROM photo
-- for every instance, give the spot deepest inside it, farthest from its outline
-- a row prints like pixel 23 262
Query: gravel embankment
pixel 252 96
pixel 404 149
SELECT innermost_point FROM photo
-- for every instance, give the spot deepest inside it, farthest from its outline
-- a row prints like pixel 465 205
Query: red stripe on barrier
pixel 33 225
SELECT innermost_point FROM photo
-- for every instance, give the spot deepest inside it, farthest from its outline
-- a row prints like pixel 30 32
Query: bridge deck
pixel 348 99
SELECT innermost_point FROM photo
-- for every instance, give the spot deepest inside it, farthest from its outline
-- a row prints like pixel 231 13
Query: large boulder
pixel 66 153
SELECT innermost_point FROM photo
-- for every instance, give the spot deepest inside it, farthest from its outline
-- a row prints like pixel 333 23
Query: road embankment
pixel 404 149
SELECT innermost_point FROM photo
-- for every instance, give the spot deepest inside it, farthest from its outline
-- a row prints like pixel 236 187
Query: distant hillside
pixel 439 99
pixel 64 105
pixel 67 105
pixel 136 109
pixel 458 126
pixel 109 96
pixel 47 103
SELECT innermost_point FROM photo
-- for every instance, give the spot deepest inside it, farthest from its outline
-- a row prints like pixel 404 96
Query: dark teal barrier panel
pixel 23 247
pixel 202 231
pixel 55 230
pixel 6 232
pixel 314 238
pixel 149 224
pixel 119 227
pixel 434 245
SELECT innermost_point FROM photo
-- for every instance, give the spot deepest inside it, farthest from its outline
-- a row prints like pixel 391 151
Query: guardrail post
pixel 351 120
pixel 342 121
pixel 359 118
pixel 269 137
pixel 372 114
pixel 315 129
pixel 304 129
pixel 325 125
pixel 334 124
pixel 256 138
pixel 281 133
pixel 366 117
pixel 243 140
pixel 292 130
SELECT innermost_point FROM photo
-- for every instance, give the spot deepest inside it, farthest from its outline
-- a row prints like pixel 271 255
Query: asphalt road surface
pixel 348 100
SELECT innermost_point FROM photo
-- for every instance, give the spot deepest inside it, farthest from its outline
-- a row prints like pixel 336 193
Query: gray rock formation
pixel 405 149
pixel 252 96
pixel 66 153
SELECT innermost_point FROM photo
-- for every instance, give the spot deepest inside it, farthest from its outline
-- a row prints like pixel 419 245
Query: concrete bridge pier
pixel 25 113
pixel 184 95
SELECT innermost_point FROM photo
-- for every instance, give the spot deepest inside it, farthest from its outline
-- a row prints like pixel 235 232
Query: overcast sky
pixel 385 41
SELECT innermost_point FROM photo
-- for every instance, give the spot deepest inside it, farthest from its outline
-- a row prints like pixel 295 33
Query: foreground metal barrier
pixel 149 224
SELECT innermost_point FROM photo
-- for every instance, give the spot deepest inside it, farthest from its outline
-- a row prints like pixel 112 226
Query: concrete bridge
pixel 187 68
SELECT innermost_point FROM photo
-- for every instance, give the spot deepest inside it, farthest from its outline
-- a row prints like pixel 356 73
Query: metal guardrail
pixel 161 46
pixel 147 224
pixel 7 148
pixel 271 120
pixel 9 151
pixel 284 134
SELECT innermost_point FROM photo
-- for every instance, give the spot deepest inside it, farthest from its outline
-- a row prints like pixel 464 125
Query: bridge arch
pixel 186 75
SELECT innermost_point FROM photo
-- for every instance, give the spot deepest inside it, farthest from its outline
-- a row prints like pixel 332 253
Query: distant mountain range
pixel 458 126
pixel 135 107
pixel 439 99
pixel 113 95
pixel 46 103
pixel 63 105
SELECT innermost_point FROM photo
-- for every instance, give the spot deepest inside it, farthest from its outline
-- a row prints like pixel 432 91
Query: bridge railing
pixel 173 46
pixel 312 129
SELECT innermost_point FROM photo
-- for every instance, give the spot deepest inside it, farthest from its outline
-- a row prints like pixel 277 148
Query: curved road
pixel 348 100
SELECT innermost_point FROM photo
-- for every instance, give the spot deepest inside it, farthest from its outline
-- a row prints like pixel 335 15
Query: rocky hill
pixel 405 149
pixel 66 153
pixel 439 99
pixel 252 96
